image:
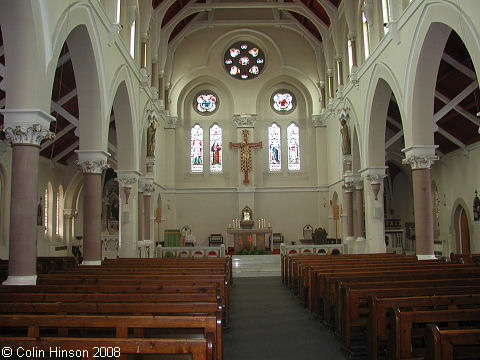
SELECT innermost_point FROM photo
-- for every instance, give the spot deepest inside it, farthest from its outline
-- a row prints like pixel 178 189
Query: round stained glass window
pixel 244 60
pixel 283 101
pixel 205 102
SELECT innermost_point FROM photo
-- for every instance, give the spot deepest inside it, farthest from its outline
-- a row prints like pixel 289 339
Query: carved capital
pixel 420 162
pixel 318 121
pixel 245 121
pixel 127 181
pixel 170 122
pixel 375 179
pixel 148 189
pixel 92 166
pixel 27 134
pixel 152 114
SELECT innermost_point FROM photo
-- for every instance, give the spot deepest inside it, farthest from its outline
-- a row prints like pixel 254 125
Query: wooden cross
pixel 245 154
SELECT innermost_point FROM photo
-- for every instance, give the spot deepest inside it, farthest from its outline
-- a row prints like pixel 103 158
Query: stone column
pixel 360 221
pixel 353 44
pixel 127 180
pixel 421 158
pixel 374 217
pixel 143 55
pixel 154 80
pixel 321 84
pixel 161 91
pixel 348 208
pixel 92 163
pixel 330 86
pixel 148 190
pixel 339 60
pixel 26 129
pixel 140 211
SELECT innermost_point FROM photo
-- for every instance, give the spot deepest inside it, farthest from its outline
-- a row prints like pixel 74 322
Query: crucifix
pixel 245 154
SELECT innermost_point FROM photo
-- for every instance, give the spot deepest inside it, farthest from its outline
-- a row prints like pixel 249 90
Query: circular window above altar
pixel 205 102
pixel 244 60
pixel 283 101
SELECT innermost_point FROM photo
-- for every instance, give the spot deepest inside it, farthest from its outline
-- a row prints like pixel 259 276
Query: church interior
pixel 137 129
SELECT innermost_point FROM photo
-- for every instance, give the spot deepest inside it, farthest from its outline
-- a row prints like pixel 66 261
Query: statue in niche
pixel 346 148
pixel 151 139
pixel 39 213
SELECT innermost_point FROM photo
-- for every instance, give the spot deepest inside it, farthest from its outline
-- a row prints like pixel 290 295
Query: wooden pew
pixel 451 344
pixel 200 345
pixel 380 308
pixel 409 326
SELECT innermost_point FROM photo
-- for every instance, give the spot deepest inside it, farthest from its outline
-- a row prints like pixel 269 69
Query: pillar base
pixel 426 257
pixel 360 245
pixel 91 262
pixel 21 280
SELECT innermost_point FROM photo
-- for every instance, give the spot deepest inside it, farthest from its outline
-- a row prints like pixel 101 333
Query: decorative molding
pixel 245 120
pixel 375 179
pixel 92 166
pixel 420 162
pixel 150 161
pixel 319 120
pixel 127 182
pixel 148 189
pixel 342 113
pixel 32 134
pixel 152 114
pixel 170 122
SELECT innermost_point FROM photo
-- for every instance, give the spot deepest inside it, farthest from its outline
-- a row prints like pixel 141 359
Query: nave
pixel 267 323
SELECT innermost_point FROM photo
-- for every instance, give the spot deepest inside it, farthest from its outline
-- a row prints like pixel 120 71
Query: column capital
pixel 148 189
pixel 319 120
pixel 92 161
pixel 321 84
pixel 170 122
pixel 127 178
pixel 374 174
pixel 347 187
pixel 245 120
pixel 352 36
pixel 420 156
pixel 27 127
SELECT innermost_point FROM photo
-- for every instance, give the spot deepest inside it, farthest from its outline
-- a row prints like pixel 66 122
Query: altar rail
pixel 287 250
pixel 191 252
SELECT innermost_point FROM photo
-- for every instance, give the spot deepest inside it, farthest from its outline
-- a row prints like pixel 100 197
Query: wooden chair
pixel 215 240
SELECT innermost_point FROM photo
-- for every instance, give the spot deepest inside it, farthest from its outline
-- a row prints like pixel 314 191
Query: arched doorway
pixel 462 233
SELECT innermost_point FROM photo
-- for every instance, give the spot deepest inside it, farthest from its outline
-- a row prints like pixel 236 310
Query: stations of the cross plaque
pixel 245 154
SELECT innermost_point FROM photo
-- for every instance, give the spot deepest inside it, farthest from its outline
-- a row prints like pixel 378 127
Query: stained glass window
pixel 293 147
pixel 196 149
pixel 216 148
pixel 274 148
pixel 283 101
pixel 45 211
pixel 205 102
pixel 244 60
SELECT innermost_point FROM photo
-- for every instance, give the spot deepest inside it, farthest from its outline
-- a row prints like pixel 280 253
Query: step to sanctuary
pixel 255 265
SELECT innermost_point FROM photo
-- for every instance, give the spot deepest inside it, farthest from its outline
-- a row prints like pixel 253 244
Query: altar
pixel 242 238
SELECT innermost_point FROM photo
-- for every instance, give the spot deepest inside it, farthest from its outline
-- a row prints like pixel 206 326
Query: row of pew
pixel 389 306
pixel 125 308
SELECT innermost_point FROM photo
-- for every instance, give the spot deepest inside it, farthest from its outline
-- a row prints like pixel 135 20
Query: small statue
pixel 151 139
pixel 39 213
pixel 346 149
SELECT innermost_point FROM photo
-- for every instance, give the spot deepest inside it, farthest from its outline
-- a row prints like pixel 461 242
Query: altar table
pixel 240 238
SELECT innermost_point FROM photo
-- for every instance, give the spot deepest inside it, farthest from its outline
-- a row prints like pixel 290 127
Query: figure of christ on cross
pixel 245 154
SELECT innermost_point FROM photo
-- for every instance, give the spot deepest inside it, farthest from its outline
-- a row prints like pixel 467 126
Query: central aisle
pixel 267 323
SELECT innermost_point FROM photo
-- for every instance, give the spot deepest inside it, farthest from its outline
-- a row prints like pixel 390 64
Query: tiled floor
pixel 267 323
